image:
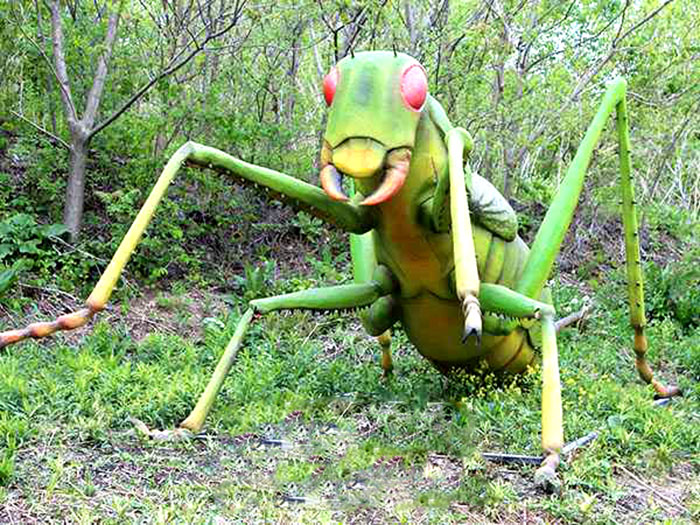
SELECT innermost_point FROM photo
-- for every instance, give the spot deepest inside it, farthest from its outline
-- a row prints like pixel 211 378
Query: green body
pixel 421 260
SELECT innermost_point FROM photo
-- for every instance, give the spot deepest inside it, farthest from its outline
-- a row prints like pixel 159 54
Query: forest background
pixel 95 95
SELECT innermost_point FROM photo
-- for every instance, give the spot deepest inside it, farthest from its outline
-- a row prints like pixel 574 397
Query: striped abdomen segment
pixel 502 262
pixel 499 261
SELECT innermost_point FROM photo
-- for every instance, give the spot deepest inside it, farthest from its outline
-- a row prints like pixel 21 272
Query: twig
pixel 63 89
pixel 172 67
pixel 565 451
pixel 568 449
pixel 572 318
pixel 614 48
pixel 512 458
pixel 536 460
pixel 50 290
pixel 76 249
pixel 644 484
pixel 42 130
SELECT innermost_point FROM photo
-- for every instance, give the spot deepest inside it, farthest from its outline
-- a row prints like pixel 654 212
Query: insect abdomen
pixel 499 261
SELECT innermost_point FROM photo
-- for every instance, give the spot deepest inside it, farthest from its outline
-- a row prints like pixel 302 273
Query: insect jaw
pixel 391 178
pixel 397 165
pixel 332 183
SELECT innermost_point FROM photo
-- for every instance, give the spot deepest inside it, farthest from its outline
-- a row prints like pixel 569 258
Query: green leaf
pixel 7 279
pixel 54 230
pixel 30 246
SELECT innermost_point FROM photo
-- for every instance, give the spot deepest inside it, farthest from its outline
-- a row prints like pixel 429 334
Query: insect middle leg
pixel 379 321
pixel 499 299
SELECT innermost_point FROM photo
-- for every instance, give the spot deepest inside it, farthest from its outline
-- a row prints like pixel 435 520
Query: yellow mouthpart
pixel 359 157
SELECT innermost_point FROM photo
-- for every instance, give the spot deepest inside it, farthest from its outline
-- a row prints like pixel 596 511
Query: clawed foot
pixel 546 476
pixel 178 434
pixel 472 319
pixel 665 392
pixel 547 479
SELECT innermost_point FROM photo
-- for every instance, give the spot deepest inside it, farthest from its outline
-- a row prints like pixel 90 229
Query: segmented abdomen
pixel 502 262
pixel 499 261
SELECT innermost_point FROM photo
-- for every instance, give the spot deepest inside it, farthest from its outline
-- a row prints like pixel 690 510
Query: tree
pixel 83 125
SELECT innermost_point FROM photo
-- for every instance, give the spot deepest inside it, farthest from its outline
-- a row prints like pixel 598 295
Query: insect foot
pixel 472 319
pixel 178 434
pixel 546 476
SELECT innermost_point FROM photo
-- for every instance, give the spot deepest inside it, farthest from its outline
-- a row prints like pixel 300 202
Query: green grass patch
pixel 306 430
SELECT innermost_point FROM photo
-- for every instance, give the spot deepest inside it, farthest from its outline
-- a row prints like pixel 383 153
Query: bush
pixel 673 291
pixel 25 245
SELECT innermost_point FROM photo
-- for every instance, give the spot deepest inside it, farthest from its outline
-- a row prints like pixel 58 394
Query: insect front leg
pixel 336 298
pixel 347 215
pixel 466 272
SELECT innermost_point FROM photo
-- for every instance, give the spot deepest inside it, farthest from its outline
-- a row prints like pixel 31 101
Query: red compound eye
pixel 414 86
pixel 329 85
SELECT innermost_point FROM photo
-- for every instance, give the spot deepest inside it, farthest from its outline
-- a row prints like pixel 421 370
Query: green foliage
pixel 7 468
pixel 25 245
pixel 673 290
pixel 256 281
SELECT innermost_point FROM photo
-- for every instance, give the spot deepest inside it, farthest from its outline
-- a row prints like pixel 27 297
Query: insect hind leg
pixel 558 218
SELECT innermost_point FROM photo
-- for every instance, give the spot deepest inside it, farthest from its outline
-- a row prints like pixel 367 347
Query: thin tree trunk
pixel 75 191
pixel 83 128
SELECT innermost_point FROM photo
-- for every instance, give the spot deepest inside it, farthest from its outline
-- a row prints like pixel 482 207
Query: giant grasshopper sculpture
pixel 465 292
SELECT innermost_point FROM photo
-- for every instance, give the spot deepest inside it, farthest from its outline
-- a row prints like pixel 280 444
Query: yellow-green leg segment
pixel 343 297
pixel 466 273
pixel 552 416
pixel 195 421
pixel 384 341
pixel 499 299
pixel 364 266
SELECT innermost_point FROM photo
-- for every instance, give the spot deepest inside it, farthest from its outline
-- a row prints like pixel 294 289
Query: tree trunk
pixel 75 192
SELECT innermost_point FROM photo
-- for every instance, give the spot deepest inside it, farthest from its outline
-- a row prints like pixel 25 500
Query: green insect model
pixel 434 247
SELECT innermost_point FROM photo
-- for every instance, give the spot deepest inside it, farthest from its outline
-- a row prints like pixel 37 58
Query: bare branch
pixel 643 21
pixel 578 44
pixel 320 71
pixel 576 317
pixel 593 71
pixel 622 23
pixel 95 94
pixel 65 92
pixel 171 68
pixel 60 61
pixel 42 130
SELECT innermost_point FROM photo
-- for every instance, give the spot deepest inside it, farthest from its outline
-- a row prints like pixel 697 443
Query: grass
pixel 306 431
